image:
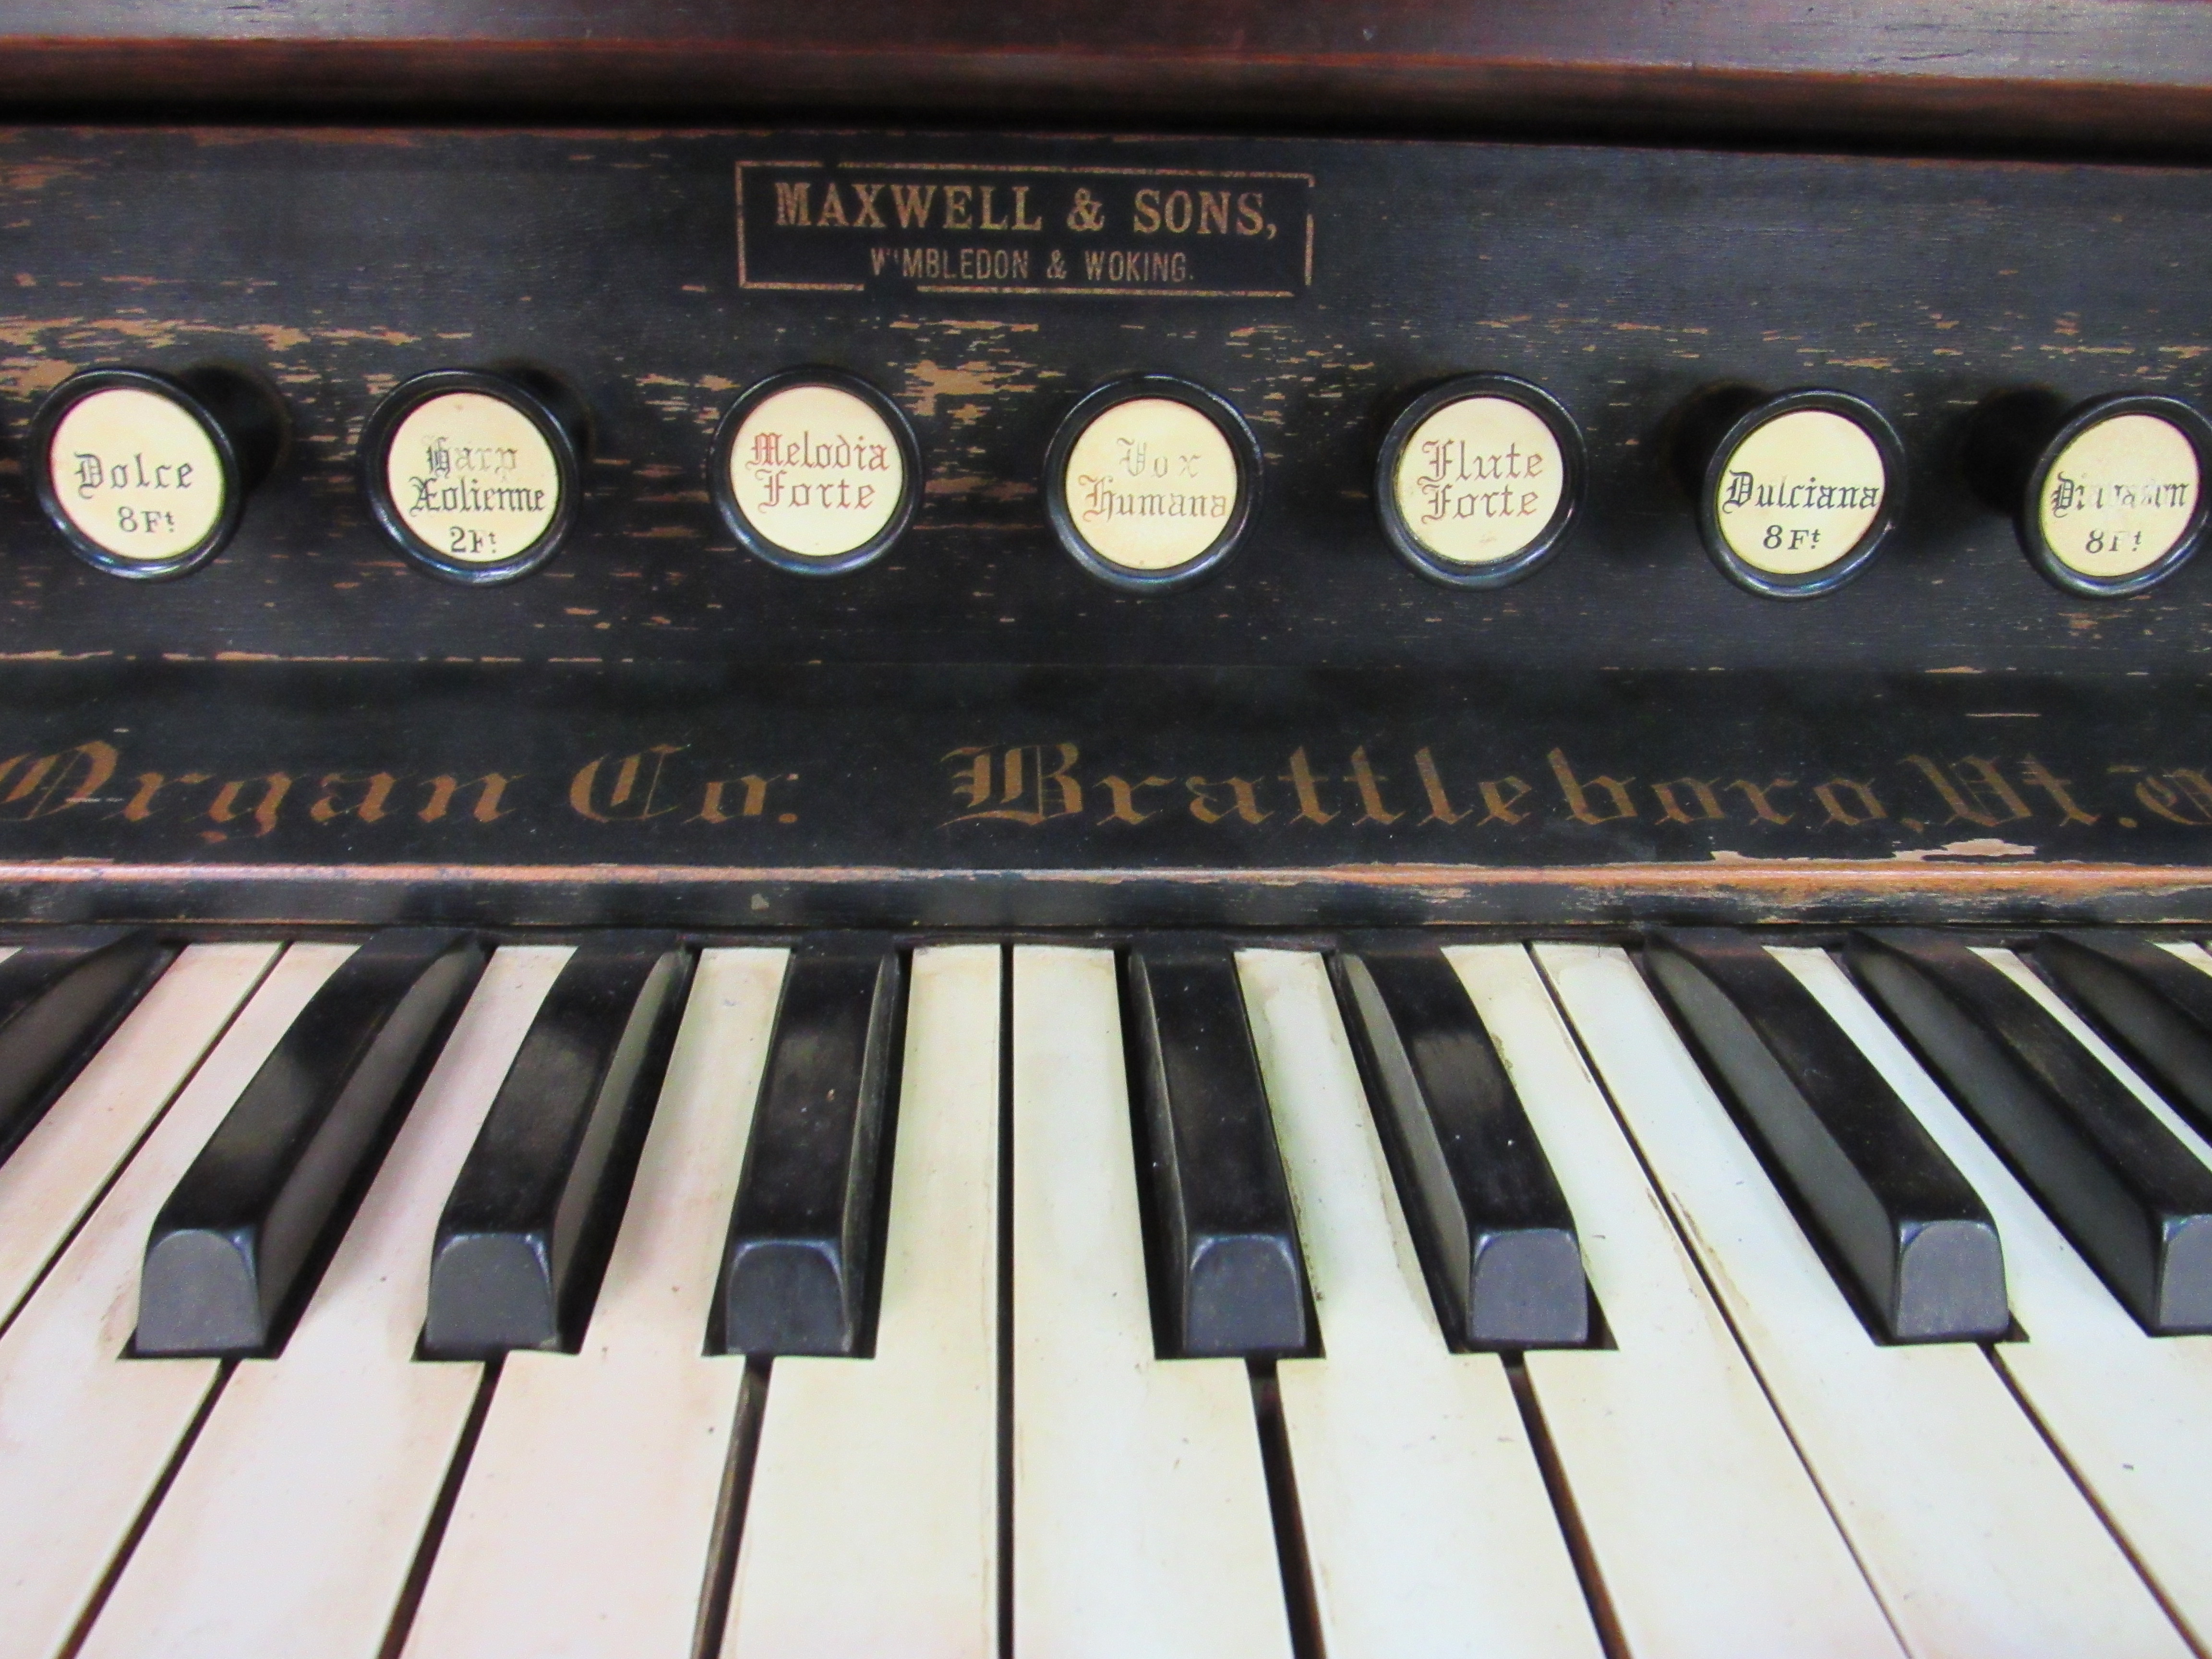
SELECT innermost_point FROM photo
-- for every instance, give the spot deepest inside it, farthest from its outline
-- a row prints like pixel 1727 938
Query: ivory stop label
pixel 816 470
pixel 2119 496
pixel 1150 483
pixel 472 476
pixel 1480 479
pixel 1800 492
pixel 137 473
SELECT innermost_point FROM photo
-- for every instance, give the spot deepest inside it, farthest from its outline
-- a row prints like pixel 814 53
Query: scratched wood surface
pixel 696 797
pixel 2131 73
pixel 2030 754
pixel 1622 280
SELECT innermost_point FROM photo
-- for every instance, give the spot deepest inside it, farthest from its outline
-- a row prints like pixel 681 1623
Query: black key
pixel 224 1263
pixel 1235 1280
pixel 2157 1005
pixel 1487 1210
pixel 2135 1200
pixel 796 1271
pixel 524 1232
pixel 59 998
pixel 1896 1212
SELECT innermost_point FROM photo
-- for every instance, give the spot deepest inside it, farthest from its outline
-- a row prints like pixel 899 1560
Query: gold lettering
pixel 791 202
pixel 583 786
pixel 1023 219
pixel 368 809
pixel 1701 796
pixel 2159 796
pixel 2177 787
pixel 1978 795
pixel 1301 779
pixel 865 217
pixel 1251 219
pixel 1124 795
pixel 489 787
pixel 1577 792
pixel 754 805
pixel 1497 806
pixel 911 204
pixel 1762 807
pixel 1214 213
pixel 1244 801
pixel 833 206
pixel 1432 785
pixel 971 782
pixel 1147 219
pixel 54 783
pixel 1029 789
pixel 958 209
pixel 140 806
pixel 2040 776
pixel 225 808
pixel 1362 778
pixel 1868 806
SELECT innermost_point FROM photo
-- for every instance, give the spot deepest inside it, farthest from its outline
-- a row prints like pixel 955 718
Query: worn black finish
pixel 1228 1243
pixel 60 995
pixel 2158 1007
pixel 1488 1214
pixel 797 1270
pixel 1620 279
pixel 267 739
pixel 641 796
pixel 223 1273
pixel 1916 1240
pixel 536 1202
pixel 2135 1200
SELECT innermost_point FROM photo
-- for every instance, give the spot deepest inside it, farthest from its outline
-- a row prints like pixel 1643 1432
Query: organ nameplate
pixel 137 474
pixel 472 477
pixel 1150 484
pixel 1800 492
pixel 815 471
pixel 2119 496
pixel 1479 480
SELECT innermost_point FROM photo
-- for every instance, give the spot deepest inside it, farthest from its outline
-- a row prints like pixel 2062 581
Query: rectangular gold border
pixel 745 284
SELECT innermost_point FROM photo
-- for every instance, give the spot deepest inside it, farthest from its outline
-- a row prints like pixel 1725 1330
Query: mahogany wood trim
pixel 2130 73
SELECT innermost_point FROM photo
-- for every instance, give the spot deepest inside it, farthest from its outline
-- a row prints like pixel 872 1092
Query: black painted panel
pixel 1621 279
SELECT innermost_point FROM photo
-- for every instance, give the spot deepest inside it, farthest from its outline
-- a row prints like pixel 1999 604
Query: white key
pixel 586 1521
pixel 1140 1506
pixel 1973 1534
pixel 289 1530
pixel 86 1434
pixel 872 1524
pixel 1427 1527
pixel 58 1171
pixel 1703 1527
pixel 2131 1413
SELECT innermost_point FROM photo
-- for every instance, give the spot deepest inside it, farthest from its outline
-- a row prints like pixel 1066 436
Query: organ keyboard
pixel 1738 1456
pixel 1421 876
